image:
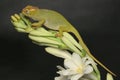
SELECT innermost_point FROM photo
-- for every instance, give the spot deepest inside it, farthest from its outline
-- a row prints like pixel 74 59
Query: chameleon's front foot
pixel 38 24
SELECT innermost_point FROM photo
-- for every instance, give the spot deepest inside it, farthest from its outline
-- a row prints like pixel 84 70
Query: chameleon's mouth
pixel 24 12
pixel 30 19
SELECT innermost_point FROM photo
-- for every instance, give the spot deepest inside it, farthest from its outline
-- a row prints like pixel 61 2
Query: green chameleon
pixel 55 21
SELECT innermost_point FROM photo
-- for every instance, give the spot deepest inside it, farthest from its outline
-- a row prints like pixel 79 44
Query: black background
pixel 98 21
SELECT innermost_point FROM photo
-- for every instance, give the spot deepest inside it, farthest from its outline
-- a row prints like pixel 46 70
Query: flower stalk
pixel 77 64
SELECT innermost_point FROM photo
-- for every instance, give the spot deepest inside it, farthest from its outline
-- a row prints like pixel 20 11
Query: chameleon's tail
pixel 76 33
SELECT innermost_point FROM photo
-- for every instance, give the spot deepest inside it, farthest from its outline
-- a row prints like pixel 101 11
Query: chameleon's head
pixel 29 11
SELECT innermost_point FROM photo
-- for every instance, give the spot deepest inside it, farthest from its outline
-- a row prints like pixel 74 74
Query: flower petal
pixel 61 78
pixel 68 63
pixel 76 77
pixel 77 59
pixel 88 62
pixel 91 76
pixel 88 69
pixel 60 67
pixel 65 72
pixel 58 52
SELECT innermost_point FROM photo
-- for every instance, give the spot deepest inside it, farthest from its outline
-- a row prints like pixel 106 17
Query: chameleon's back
pixel 53 19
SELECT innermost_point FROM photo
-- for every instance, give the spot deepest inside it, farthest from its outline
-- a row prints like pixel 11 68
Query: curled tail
pixel 76 33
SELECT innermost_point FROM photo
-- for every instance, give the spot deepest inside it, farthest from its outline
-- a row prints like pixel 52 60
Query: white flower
pixel 75 68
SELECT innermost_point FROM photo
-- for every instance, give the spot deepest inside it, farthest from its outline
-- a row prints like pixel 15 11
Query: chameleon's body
pixel 55 21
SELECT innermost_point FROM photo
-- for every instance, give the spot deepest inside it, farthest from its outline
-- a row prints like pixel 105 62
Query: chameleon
pixel 56 21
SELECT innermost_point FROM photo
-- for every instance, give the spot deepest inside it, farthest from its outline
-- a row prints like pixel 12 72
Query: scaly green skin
pixel 55 21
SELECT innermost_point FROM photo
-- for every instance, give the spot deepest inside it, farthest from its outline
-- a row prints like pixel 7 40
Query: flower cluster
pixel 75 67
pixel 77 64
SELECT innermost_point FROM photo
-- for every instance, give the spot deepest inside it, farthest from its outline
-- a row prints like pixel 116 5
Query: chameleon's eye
pixel 27 11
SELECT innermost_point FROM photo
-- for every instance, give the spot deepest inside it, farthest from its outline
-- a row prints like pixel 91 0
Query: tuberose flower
pixel 75 66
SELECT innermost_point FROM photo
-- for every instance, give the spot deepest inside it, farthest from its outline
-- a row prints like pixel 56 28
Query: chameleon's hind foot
pixel 58 35
pixel 61 30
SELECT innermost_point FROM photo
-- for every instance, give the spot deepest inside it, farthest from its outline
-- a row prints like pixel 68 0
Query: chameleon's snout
pixel 23 11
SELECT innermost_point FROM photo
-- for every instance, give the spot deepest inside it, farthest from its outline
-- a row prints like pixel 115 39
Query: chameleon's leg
pixel 39 23
pixel 61 30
